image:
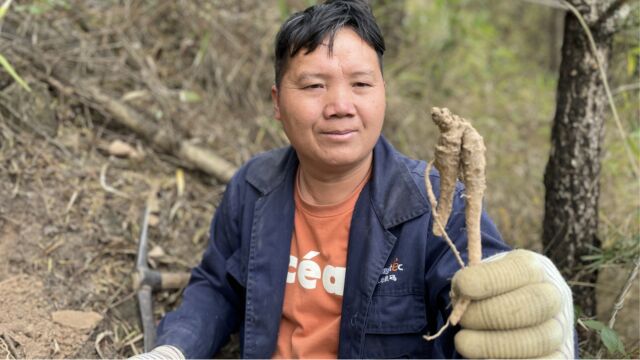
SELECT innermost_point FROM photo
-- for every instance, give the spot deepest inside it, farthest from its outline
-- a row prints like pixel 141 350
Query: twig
pixel 12 347
pixel 619 302
pixel 36 130
pixel 13 221
pixel 5 349
pixel 626 87
pixel 203 159
pixel 99 339
pixel 43 195
pixel 107 187
pixel 121 301
pixel 72 201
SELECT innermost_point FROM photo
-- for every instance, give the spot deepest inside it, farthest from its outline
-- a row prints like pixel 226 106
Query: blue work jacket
pixel 240 283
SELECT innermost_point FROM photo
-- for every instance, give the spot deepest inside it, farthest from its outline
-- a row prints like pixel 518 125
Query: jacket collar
pixel 269 170
pixel 395 196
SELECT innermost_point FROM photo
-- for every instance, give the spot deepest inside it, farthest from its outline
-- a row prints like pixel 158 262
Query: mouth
pixel 338 135
pixel 338 132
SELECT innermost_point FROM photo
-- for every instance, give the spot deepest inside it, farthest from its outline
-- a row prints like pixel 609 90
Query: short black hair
pixel 307 29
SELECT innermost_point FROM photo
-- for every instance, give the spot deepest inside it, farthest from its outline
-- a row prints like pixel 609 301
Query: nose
pixel 339 103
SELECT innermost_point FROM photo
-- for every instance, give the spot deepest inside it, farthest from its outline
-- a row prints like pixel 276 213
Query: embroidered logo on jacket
pixel 390 273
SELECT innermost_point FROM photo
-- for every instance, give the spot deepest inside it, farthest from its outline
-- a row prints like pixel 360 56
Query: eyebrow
pixel 311 75
pixel 363 72
pixel 308 75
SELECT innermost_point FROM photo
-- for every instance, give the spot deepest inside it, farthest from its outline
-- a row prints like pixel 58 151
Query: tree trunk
pixel 572 174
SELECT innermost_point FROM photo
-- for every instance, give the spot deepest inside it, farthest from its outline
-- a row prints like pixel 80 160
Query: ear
pixel 275 97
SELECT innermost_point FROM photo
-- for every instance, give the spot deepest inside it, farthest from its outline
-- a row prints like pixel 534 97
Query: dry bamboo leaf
pixel 180 184
pixel 132 95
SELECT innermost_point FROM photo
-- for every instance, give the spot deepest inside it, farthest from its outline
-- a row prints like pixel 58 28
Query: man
pixel 324 249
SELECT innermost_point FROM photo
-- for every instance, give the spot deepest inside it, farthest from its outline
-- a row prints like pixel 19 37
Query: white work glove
pixel 160 353
pixel 521 308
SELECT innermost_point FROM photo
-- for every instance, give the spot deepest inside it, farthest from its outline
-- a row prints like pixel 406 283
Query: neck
pixel 322 188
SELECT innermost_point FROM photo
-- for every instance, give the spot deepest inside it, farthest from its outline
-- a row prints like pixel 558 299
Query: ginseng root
pixel 459 147
pixel 447 159
pixel 473 164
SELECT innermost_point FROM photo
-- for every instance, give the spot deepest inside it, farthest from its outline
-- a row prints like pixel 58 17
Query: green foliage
pixel 4 8
pixel 189 96
pixel 8 68
pixel 286 10
pixel 4 63
pixel 632 60
pixel 608 337
pixel 203 48
pixel 40 7
pixel 283 6
pixel 621 251
pixel 612 341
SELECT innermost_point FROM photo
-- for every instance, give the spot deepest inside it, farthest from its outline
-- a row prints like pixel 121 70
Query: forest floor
pixel 68 240
pixel 74 183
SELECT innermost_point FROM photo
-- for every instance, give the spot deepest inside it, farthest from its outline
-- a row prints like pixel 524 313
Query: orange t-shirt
pixel 310 325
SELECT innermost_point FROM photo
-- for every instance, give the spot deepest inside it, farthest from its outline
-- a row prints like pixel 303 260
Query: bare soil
pixel 67 243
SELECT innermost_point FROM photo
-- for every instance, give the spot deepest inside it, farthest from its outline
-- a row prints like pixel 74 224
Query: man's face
pixel 332 106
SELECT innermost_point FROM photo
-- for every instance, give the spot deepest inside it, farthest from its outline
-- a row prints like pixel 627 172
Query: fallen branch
pixel 201 158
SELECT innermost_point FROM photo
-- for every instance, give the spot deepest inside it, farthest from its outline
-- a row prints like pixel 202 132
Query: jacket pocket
pixel 235 270
pixel 394 326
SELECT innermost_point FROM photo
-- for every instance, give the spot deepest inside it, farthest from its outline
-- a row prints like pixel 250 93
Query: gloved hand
pixel 521 308
pixel 161 352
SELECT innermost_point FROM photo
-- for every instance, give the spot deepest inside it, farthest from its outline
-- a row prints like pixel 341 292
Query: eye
pixel 313 86
pixel 361 84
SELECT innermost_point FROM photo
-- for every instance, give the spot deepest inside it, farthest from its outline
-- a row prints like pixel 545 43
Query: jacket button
pixel 354 320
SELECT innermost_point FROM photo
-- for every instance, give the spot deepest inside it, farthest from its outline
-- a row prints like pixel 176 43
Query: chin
pixel 343 161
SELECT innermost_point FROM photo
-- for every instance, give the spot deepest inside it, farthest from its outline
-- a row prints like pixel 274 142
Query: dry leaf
pixel 122 149
pixel 153 220
pixel 180 181
pixel 156 252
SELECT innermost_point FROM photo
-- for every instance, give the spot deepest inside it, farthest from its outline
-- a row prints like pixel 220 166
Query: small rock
pixel 50 230
pixel 82 320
